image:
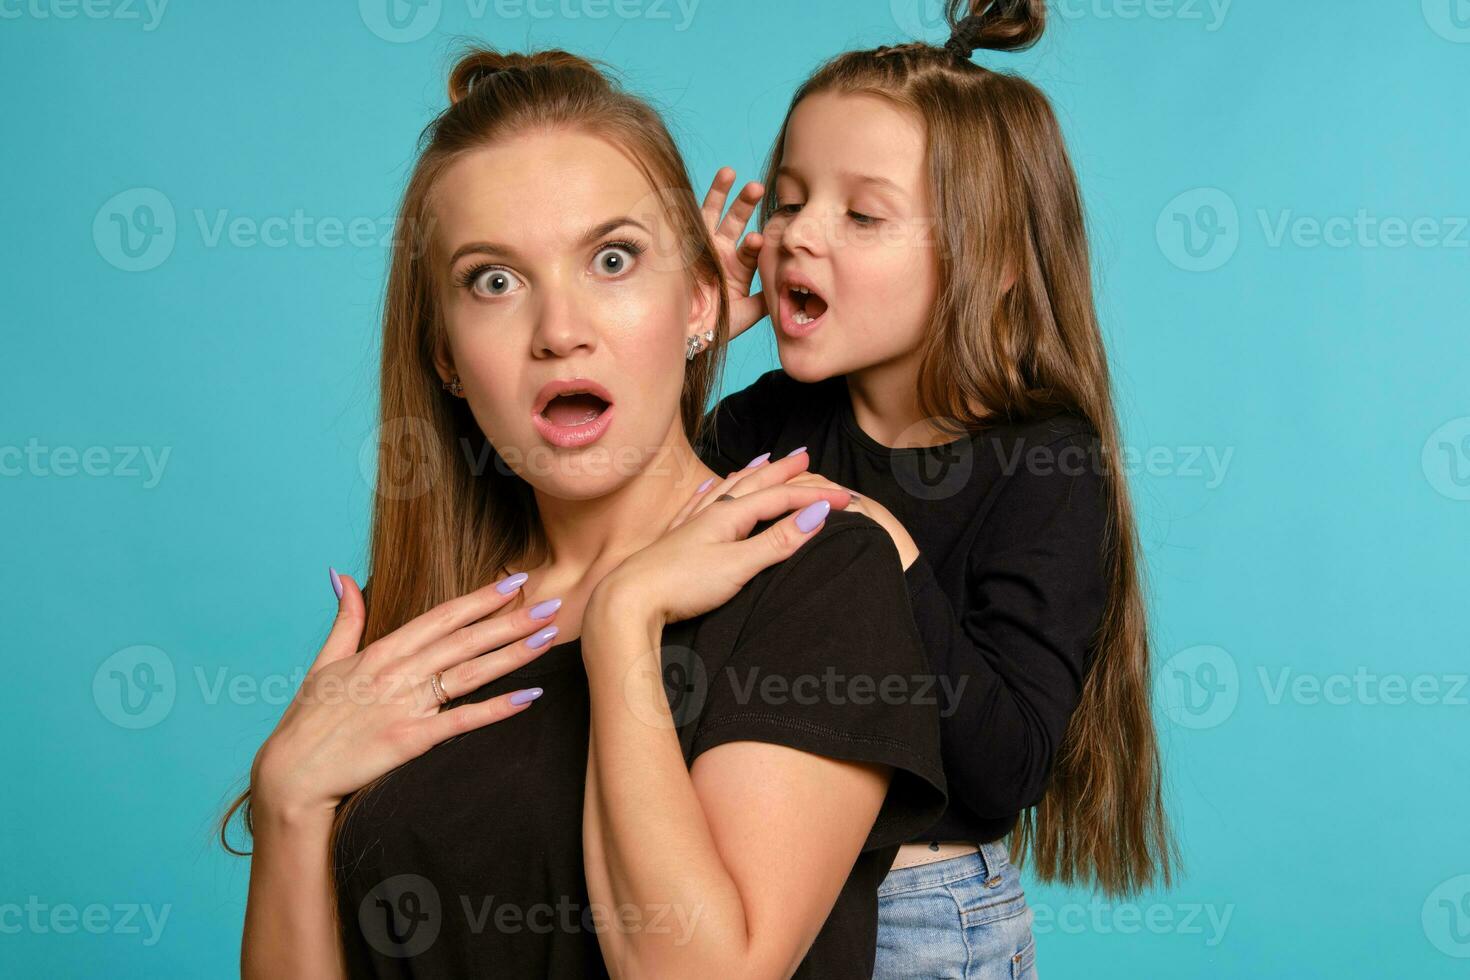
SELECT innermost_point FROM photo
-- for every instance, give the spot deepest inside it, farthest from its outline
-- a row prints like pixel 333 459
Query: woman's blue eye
pixel 616 258
pixel 489 280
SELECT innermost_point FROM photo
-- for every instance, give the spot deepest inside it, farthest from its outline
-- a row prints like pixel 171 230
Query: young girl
pixel 451 794
pixel 925 267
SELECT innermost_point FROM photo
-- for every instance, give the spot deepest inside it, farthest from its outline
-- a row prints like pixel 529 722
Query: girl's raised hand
pixel 360 714
pixel 792 469
pixel 708 558
pixel 737 256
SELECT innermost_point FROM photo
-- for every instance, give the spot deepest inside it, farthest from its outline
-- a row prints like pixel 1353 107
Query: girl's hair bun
pixel 479 64
pixel 996 25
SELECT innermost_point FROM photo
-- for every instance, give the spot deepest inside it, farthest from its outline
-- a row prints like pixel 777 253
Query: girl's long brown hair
pixel 1014 336
pixel 449 515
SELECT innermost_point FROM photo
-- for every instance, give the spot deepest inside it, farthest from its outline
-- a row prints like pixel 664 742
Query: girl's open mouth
pixel 801 310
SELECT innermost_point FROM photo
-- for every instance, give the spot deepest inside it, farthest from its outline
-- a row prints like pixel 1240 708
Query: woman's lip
pixel 573 436
pixel 788 323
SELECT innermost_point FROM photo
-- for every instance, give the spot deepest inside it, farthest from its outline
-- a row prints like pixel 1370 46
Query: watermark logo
pixel 679 681
pixel 148 13
pixel 401 458
pixel 1199 231
pixel 1446 459
pixel 1446 917
pixel 1450 19
pixel 135 687
pixel 932 472
pixel 1207 920
pixel 401 916
pixel 920 20
pixel 1199 687
pixel 400 21
pixel 66 918
pixel 1210 14
pixel 135 230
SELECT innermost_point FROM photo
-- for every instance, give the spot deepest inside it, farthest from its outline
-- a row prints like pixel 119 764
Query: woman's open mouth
pixel 575 416
pixel 802 310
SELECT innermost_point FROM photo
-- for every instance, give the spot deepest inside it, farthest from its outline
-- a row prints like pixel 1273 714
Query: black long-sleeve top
pixel 1009 587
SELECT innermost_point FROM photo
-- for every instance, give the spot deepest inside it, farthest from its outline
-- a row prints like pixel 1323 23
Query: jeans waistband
pixel 985 862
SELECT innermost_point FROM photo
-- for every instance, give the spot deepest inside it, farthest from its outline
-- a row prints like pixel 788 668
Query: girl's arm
pixel 730 868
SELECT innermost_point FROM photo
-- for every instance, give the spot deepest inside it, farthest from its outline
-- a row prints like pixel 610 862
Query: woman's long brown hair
pixel 449 515
pixel 1014 336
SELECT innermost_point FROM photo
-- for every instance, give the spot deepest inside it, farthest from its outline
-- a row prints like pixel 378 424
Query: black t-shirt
pixel 467 861
pixel 1009 587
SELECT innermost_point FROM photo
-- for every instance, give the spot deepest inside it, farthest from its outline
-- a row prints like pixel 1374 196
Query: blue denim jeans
pixel 963 918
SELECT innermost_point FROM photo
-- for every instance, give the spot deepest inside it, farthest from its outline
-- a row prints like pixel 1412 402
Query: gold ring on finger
pixel 437 686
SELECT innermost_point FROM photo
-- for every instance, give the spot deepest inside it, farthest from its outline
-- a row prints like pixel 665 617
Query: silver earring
pixel 453 387
pixel 697 343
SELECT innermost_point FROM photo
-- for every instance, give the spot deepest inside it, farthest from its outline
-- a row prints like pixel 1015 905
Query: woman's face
pixel 556 262
pixel 854 229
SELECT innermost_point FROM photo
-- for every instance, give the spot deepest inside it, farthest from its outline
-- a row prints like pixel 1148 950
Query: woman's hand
pixel 738 257
pixel 703 562
pixel 358 715
pixel 792 470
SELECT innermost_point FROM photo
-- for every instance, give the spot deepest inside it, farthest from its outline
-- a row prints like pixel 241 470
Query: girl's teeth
pixel 801 317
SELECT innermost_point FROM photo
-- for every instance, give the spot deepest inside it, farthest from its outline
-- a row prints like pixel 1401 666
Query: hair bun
pixel 478 64
pixel 996 25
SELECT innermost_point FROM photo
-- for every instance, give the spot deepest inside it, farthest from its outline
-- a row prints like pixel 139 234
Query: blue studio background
pixel 194 201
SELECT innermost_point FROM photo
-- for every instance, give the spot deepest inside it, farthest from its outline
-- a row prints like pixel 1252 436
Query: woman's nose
pixel 561 326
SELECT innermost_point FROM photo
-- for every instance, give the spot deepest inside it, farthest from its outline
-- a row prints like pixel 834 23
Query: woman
pixel 561 815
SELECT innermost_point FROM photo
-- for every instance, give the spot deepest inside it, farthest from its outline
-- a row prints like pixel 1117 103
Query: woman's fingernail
pixel 526 694
pixel 812 515
pixel 539 640
pixel 758 460
pixel 705 485
pixel 543 609
pixel 798 449
pixel 510 583
pixel 336 581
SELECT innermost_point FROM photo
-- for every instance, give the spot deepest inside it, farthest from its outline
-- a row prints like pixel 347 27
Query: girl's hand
pixel 708 558
pixel 738 258
pixel 793 470
pixel 358 715
pixel 907 549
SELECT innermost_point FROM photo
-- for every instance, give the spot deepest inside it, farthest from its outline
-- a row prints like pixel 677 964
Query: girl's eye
pixel 860 218
pixel 488 280
pixel 616 258
pixel 787 208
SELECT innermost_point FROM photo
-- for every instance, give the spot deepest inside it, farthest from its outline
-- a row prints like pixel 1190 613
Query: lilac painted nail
pixel 758 460
pixel 336 581
pixel 527 694
pixel 539 640
pixel 705 485
pixel 812 515
pixel 509 584
pixel 543 609
pixel 798 449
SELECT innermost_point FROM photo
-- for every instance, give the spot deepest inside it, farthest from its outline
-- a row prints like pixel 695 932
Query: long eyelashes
pixel 467 278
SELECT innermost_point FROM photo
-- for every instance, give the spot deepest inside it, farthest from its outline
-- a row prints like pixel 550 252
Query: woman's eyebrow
pixel 587 238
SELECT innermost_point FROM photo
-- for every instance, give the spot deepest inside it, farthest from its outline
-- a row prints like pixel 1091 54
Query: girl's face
pixel 853 230
pixel 555 263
